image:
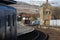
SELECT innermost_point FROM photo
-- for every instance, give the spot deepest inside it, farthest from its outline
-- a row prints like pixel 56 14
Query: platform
pixel 23 30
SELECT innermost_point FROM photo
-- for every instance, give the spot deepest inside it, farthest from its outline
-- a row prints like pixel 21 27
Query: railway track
pixel 34 35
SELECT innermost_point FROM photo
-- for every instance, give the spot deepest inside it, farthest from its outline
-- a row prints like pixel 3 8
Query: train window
pixel 13 19
pixel 0 22
pixel 9 20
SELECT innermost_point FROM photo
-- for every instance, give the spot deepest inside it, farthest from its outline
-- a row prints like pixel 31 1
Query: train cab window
pixel 9 20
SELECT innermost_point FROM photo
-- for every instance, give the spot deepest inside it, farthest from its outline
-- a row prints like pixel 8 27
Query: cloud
pixel 38 2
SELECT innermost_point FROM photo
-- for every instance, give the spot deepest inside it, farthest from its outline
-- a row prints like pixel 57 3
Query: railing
pixel 55 23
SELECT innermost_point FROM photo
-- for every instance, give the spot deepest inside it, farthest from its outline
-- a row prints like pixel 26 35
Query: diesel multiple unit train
pixel 8 25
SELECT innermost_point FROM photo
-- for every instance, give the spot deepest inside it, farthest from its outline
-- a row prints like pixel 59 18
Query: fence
pixel 54 22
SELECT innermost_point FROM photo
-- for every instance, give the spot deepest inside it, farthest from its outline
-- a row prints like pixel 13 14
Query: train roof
pixel 8 1
pixel 5 10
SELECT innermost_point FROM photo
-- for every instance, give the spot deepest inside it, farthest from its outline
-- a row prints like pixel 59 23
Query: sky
pixel 38 2
pixel 32 0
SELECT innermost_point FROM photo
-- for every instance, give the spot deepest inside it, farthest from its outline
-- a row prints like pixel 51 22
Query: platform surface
pixel 24 29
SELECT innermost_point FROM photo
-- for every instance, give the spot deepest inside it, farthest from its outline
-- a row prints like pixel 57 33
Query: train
pixel 8 25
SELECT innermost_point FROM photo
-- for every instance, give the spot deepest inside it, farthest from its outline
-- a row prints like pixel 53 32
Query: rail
pixel 34 35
